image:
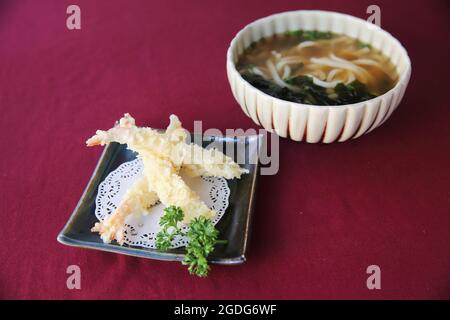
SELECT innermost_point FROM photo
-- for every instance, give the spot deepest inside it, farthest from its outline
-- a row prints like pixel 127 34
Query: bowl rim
pixel 403 79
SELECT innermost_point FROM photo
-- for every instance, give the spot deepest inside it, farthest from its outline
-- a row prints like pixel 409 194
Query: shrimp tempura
pixel 163 155
pixel 171 189
pixel 170 145
pixel 137 199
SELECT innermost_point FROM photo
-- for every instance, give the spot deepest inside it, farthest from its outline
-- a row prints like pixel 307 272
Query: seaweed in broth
pixel 318 68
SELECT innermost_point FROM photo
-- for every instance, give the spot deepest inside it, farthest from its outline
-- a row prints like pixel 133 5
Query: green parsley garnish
pixel 201 234
pixel 169 223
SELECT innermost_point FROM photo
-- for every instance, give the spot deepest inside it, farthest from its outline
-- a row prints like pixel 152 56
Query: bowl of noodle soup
pixel 317 76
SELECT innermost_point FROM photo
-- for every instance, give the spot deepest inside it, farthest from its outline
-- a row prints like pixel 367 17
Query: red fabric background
pixel 331 211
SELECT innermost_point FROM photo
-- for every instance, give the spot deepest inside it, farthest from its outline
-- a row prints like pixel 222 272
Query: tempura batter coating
pixel 171 146
pixel 171 189
pixel 137 199
pixel 198 161
pixel 163 156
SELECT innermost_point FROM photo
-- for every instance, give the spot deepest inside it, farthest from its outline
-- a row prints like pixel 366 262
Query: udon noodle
pixel 318 68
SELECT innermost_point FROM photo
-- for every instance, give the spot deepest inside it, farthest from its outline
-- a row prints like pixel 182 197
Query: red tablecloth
pixel 331 211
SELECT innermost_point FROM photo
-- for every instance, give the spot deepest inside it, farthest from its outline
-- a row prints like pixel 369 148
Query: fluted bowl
pixel 310 123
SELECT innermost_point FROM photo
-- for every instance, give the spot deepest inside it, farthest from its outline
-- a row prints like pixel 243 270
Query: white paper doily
pixel 141 230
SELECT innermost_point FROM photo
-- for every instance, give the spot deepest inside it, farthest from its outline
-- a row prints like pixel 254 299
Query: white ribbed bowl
pixel 302 122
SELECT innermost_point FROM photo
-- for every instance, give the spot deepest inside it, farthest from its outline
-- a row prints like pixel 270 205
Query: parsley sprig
pixel 169 223
pixel 201 234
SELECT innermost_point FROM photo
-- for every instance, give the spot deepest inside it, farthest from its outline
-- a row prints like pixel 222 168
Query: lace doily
pixel 141 230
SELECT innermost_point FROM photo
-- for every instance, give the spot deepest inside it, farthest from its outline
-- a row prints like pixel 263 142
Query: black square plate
pixel 234 226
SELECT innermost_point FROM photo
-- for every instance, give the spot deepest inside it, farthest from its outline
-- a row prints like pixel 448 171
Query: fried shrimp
pixel 170 145
pixel 171 189
pixel 163 154
pixel 209 162
pixel 137 199
pixel 141 139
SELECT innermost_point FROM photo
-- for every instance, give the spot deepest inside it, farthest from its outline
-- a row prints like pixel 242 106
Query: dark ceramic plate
pixel 234 226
